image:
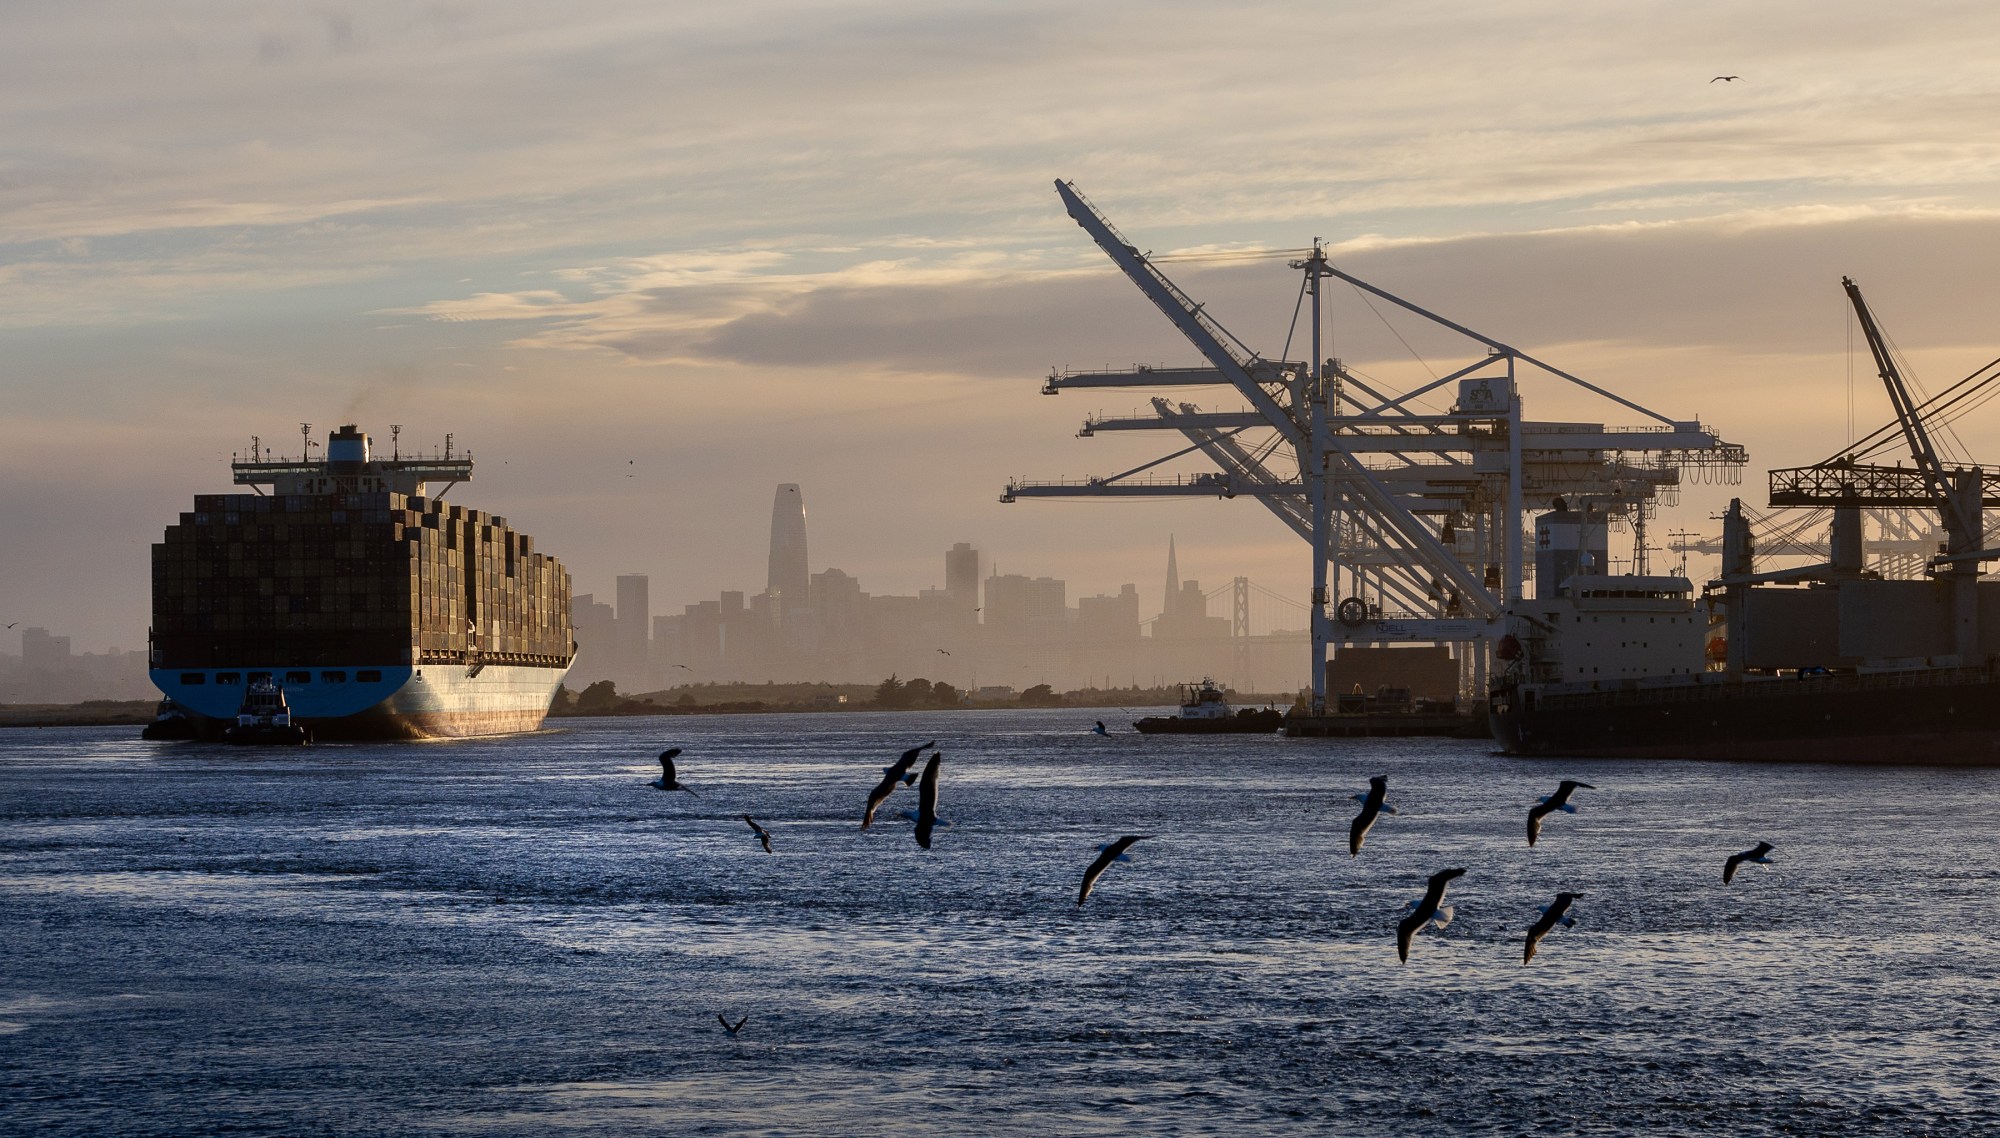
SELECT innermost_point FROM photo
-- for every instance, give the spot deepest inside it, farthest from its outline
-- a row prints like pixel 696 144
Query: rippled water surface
pixel 520 936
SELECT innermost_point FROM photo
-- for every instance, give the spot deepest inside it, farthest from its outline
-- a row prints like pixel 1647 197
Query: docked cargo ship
pixel 1830 662
pixel 382 611
pixel 1631 667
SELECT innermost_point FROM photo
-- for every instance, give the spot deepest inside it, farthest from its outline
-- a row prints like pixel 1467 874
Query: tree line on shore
pixel 892 694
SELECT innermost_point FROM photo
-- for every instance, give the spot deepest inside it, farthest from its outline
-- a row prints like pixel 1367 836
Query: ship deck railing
pixel 1700 692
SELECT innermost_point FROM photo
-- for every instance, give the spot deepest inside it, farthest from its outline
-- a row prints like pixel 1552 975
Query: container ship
pixel 381 611
pixel 1617 667
pixel 1830 662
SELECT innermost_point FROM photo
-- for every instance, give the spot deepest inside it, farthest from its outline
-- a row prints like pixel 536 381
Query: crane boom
pixel 1899 393
pixel 1200 328
pixel 1907 413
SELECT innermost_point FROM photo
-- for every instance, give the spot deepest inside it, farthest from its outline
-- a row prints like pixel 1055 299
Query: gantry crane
pixel 1426 508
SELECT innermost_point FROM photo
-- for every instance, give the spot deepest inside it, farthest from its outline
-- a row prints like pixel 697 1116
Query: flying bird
pixel 1554 802
pixel 927 796
pixel 1099 729
pixel 684 667
pixel 763 835
pixel 1105 856
pixel 1758 856
pixel 1424 912
pixel 732 1028
pixel 1556 913
pixel 1371 806
pixel 1725 79
pixel 942 652
pixel 896 772
pixel 667 779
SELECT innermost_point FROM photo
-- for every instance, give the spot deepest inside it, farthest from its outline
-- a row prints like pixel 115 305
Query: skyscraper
pixel 788 575
pixel 1184 615
pixel 961 580
pixel 596 625
pixel 635 623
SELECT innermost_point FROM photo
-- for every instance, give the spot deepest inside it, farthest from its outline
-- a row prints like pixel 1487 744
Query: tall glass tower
pixel 961 581
pixel 788 547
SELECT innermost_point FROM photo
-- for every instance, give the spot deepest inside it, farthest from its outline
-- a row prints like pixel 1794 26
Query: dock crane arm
pixel 1201 329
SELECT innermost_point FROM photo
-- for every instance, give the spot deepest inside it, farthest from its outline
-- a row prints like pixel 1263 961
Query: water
pixel 520 937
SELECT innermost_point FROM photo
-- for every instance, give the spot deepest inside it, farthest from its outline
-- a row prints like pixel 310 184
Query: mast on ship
pixel 350 468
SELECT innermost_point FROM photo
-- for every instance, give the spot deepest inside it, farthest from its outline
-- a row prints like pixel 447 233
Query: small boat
pixel 1204 711
pixel 171 722
pixel 264 719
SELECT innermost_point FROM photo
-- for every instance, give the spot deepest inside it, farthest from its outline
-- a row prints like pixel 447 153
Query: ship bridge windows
pixel 333 677
pixel 298 677
pixel 228 677
pixel 368 676
pixel 193 679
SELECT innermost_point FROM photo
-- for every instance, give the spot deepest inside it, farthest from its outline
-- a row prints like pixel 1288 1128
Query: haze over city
pixel 647 263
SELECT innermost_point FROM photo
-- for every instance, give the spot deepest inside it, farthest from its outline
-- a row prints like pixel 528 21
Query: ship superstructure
pixel 384 611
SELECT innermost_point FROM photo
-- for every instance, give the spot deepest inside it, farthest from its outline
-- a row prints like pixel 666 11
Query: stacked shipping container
pixel 386 578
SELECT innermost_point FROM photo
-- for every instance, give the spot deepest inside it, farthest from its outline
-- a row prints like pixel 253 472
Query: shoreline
pixel 90 713
pixel 138 713
pixel 756 708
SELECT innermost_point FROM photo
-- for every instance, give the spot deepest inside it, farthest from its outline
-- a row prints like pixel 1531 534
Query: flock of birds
pixel 1427 912
pixel 1430 911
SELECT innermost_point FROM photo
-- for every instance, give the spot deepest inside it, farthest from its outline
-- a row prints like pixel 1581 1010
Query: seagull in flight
pixel 1554 802
pixel 1105 856
pixel 1100 729
pixel 892 774
pixel 667 779
pixel 1758 856
pixel 1725 79
pixel 942 652
pixel 1371 806
pixel 1553 915
pixel 927 799
pixel 763 835
pixel 732 1028
pixel 1429 912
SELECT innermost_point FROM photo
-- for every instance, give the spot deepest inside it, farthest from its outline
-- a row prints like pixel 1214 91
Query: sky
pixel 647 261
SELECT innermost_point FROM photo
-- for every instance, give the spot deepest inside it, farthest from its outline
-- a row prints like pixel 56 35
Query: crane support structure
pixel 1417 518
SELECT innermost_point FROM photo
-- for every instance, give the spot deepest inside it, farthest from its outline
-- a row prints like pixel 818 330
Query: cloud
pixel 1764 283
pixel 473 135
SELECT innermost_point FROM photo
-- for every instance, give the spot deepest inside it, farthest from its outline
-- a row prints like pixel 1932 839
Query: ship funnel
pixel 348 444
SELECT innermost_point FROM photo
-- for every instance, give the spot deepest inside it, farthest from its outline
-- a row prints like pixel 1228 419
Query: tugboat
pixel 1205 712
pixel 170 722
pixel 265 720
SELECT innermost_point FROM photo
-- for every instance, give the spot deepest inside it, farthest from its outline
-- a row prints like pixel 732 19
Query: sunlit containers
pixel 304 581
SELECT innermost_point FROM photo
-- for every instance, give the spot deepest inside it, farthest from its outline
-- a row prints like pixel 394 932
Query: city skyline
pixel 966 565
pixel 836 631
